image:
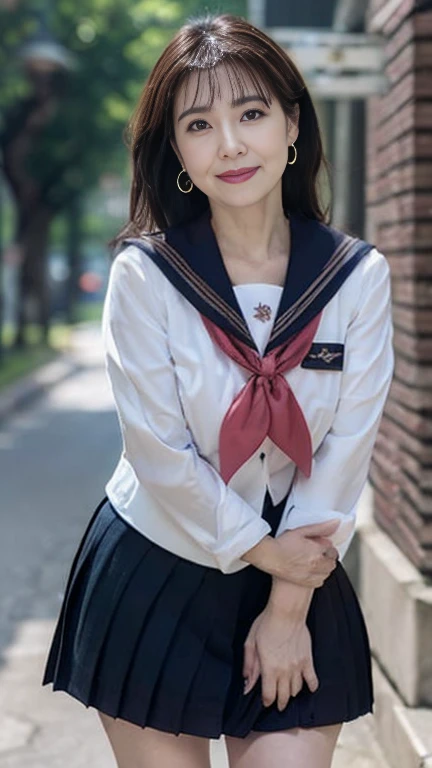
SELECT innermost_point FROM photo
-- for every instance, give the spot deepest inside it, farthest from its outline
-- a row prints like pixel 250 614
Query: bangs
pixel 242 76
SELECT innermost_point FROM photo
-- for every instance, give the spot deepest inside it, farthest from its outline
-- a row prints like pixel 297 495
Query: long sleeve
pixel 157 441
pixel 341 463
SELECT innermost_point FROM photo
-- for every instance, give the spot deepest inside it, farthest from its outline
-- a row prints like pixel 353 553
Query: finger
pixel 325 565
pixel 322 572
pixel 283 692
pixel 248 658
pixel 268 688
pixel 310 676
pixel 325 548
pixel 316 580
pixel 326 545
pixel 296 683
pixel 331 552
pixel 329 566
pixel 323 541
pixel 254 675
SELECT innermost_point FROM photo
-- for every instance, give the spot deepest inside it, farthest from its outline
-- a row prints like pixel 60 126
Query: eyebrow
pixel 236 103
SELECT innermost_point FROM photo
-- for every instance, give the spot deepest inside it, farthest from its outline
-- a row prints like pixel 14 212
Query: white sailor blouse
pixel 212 415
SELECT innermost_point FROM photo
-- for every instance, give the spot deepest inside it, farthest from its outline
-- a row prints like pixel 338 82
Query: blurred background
pixel 70 75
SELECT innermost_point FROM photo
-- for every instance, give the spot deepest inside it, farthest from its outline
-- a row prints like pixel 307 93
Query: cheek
pixel 198 156
pixel 271 141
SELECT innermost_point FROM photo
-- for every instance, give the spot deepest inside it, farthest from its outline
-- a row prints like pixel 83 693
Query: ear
pixel 293 123
pixel 174 146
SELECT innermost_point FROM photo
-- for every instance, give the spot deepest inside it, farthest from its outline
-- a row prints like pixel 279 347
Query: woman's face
pixel 225 138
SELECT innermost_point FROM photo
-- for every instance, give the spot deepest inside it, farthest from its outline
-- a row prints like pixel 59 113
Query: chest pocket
pixel 324 356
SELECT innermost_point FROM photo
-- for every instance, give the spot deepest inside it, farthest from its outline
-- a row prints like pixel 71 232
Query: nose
pixel 231 144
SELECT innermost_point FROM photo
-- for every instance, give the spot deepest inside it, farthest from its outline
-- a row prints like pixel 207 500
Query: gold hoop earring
pixel 185 191
pixel 291 162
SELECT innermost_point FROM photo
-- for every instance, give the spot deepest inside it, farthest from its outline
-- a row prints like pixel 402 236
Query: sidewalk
pixel 26 389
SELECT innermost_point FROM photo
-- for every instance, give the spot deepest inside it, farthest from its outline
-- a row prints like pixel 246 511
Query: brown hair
pixel 200 45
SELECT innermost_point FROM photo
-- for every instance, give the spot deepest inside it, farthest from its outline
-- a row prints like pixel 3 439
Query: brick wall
pixel 399 222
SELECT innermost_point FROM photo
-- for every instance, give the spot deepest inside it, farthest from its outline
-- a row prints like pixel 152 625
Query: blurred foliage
pixel 20 362
pixel 114 46
pixel 15 27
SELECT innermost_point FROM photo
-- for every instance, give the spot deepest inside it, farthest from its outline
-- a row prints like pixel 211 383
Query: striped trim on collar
pixel 321 259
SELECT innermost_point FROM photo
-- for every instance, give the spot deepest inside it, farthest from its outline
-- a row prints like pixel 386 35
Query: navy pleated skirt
pixel 157 640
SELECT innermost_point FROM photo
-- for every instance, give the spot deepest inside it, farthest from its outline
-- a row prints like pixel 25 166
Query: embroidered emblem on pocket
pixel 324 357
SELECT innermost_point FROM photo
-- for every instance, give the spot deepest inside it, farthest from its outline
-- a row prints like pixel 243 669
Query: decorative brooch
pixel 263 312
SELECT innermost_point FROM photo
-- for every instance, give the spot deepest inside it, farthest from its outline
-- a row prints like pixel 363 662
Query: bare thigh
pixel 294 748
pixel 136 747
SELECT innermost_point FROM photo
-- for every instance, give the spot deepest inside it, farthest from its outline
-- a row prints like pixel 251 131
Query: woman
pixel 248 346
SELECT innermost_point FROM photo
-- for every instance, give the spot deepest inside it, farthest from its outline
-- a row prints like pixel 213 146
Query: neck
pixel 253 234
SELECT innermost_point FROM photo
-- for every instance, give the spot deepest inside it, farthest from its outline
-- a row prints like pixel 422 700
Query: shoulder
pixel 134 263
pixel 373 265
pixel 374 291
pixel 368 288
pixel 369 281
pixel 372 272
pixel 373 262
pixel 136 286
pixel 370 278
pixel 339 247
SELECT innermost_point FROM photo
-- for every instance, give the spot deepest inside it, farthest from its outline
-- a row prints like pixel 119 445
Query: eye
pixel 196 122
pixel 249 112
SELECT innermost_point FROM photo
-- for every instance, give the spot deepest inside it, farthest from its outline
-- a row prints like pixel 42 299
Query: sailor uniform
pixel 244 411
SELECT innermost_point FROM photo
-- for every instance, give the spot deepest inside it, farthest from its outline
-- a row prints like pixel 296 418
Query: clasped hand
pixel 306 556
pixel 279 648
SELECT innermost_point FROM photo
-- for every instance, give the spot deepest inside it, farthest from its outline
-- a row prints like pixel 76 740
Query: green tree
pixel 60 130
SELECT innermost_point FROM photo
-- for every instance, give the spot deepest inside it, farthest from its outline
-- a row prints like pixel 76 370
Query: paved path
pixel 55 458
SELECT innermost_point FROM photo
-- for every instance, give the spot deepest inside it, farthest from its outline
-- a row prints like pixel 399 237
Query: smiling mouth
pixel 240 172
pixel 238 178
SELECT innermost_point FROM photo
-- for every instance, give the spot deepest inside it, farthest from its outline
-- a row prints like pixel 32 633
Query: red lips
pixel 239 171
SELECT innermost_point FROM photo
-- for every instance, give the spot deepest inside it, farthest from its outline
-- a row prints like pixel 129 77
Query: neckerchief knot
pixel 267 366
pixel 266 405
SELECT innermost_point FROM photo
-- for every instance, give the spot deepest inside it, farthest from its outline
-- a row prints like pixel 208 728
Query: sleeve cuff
pixel 228 559
pixel 295 517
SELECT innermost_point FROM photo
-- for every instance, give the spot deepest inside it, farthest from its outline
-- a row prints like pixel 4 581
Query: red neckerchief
pixel 266 405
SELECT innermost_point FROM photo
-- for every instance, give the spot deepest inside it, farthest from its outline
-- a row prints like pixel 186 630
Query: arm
pixel 341 463
pixel 157 441
pixel 339 472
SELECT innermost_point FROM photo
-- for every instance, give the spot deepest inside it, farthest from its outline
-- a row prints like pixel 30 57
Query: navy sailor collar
pixel 321 258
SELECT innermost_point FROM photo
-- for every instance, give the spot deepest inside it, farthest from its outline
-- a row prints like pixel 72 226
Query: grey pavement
pixel 55 457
